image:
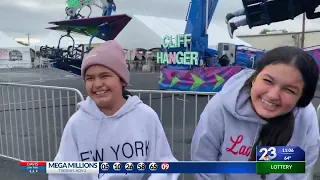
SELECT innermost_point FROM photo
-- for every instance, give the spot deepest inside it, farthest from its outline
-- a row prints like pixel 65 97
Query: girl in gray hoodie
pixel 111 125
pixel 270 106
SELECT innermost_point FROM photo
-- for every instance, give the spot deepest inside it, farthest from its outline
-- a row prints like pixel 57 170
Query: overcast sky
pixel 21 17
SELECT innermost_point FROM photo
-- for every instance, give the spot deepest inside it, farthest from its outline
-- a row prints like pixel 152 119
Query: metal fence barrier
pixel 179 113
pixel 33 118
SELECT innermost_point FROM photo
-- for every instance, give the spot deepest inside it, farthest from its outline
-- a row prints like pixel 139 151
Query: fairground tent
pixel 147 32
pixel 143 32
pixel 7 42
pixel 12 53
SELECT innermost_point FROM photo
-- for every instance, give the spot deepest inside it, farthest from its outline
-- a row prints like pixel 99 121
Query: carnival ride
pixel 106 27
pixel 219 66
pixel 212 77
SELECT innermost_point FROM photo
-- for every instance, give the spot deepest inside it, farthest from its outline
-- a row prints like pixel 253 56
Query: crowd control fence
pixel 34 116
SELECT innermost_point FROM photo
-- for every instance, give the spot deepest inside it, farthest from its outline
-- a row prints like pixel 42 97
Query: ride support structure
pixel 198 19
pixel 104 27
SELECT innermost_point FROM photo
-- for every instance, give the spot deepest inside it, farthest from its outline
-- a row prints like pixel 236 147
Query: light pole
pixel 28 39
pixel 303 30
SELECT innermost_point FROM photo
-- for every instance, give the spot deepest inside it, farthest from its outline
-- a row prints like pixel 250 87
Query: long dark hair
pixel 126 93
pixel 279 130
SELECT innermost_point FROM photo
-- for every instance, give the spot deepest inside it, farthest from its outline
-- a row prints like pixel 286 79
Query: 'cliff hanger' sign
pixel 181 58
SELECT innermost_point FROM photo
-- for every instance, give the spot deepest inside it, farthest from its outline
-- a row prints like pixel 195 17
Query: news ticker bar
pixel 265 167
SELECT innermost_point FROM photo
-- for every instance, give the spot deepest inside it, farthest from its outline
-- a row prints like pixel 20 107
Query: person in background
pixel 269 106
pixel 108 7
pixel 136 62
pixel 234 25
pixel 112 2
pixel 111 124
pixel 238 13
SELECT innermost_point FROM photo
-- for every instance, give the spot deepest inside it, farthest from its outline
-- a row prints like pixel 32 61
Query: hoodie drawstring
pixel 254 139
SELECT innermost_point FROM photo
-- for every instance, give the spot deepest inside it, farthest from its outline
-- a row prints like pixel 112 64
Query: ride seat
pixel 291 9
pixel 251 2
pixel 256 12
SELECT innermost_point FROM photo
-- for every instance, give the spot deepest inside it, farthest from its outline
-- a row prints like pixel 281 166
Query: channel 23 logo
pixel 268 154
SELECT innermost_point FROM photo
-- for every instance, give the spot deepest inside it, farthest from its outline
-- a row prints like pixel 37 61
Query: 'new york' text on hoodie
pixel 228 128
pixel 134 133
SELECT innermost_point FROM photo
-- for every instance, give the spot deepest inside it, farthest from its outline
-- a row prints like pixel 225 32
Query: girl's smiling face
pixel 276 90
pixel 103 86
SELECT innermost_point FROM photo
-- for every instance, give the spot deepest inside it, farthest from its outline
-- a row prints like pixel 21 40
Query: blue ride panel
pixel 196 24
pixel 248 57
pixel 314 51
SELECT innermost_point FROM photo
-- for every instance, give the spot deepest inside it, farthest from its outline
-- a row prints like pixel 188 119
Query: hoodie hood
pixel 90 108
pixel 239 102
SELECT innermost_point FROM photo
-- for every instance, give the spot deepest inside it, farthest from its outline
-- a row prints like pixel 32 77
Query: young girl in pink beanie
pixel 109 126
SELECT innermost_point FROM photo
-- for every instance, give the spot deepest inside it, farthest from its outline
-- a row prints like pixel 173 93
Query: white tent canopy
pixel 148 31
pixel 143 32
pixel 13 53
pixel 52 40
pixel 7 42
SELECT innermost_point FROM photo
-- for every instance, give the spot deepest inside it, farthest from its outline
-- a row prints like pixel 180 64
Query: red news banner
pixel 33 167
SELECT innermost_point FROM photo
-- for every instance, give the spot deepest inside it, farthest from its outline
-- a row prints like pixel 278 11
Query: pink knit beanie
pixel 111 55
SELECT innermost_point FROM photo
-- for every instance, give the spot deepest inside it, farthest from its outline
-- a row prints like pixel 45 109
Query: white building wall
pixel 312 39
pixel 270 41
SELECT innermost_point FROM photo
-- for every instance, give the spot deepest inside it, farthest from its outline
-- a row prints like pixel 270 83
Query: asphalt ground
pixel 31 129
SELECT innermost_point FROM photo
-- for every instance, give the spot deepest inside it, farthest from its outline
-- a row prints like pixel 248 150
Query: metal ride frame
pixel 34 116
pixel 75 13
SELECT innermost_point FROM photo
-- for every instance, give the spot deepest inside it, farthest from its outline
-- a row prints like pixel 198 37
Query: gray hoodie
pixel 228 128
pixel 134 133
